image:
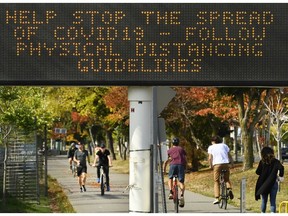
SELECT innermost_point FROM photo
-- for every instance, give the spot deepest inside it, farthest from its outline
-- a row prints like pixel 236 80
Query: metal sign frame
pixel 195 44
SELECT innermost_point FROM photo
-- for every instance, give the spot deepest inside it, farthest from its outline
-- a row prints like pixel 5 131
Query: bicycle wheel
pixel 223 196
pixel 220 204
pixel 102 184
pixel 74 171
pixel 176 199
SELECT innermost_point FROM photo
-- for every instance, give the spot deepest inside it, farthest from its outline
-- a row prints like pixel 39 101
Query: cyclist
pixel 219 159
pixel 70 153
pixel 177 160
pixel 104 159
pixel 80 157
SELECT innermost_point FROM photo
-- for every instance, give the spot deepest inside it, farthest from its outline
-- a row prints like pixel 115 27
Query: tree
pixel 278 113
pixel 75 108
pixel 117 102
pixel 195 114
pixel 19 106
pixel 251 110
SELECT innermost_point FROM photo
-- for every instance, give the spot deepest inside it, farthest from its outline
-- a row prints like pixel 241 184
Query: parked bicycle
pixel 224 196
pixel 175 191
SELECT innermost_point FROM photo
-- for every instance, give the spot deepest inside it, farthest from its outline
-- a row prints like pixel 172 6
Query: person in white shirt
pixel 219 159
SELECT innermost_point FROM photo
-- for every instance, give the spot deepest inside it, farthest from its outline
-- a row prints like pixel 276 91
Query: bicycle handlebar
pixel 98 166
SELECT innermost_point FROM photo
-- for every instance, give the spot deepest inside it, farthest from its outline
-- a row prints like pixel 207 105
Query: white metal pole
pixel 155 151
pixel 140 152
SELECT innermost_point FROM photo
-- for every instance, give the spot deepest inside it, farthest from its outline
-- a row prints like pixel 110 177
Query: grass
pixel 56 202
pixel 202 182
pixel 17 206
pixel 120 166
pixel 59 202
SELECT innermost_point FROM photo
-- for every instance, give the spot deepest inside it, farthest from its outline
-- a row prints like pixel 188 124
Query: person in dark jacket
pixel 104 159
pixel 267 184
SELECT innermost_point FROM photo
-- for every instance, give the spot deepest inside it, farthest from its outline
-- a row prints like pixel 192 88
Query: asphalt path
pixel 117 200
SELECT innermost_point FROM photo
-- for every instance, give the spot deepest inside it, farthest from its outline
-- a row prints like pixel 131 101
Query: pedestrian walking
pixel 81 157
pixel 270 171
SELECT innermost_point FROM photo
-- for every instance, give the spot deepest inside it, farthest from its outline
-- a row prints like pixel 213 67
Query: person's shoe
pixel 181 202
pixel 83 186
pixel 81 189
pixel 216 201
pixel 231 195
pixel 98 180
pixel 170 196
pixel 108 188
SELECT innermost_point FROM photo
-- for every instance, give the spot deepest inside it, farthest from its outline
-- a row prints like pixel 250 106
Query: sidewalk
pixel 117 200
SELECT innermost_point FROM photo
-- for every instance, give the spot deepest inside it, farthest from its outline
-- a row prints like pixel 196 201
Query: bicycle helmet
pixel 73 144
pixel 175 141
pixel 102 145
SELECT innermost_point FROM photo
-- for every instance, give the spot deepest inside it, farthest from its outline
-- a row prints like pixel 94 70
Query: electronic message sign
pixel 144 44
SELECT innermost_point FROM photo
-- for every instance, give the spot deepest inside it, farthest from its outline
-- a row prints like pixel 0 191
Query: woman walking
pixel 267 184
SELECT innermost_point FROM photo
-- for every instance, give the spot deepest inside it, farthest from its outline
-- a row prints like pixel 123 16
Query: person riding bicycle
pixel 219 159
pixel 81 157
pixel 70 153
pixel 104 159
pixel 177 159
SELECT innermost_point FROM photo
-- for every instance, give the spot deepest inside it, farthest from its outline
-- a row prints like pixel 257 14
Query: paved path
pixel 117 200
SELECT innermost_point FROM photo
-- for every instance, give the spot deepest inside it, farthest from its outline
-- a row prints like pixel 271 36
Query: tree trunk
pixel 249 115
pixel 110 141
pixel 124 149
pixel 7 131
pixel 5 172
pixel 279 149
pixel 248 159
pixel 195 160
pixel 120 147
pixel 258 144
pixel 91 137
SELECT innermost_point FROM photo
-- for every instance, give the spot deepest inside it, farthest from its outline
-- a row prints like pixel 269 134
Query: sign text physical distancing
pixel 144 44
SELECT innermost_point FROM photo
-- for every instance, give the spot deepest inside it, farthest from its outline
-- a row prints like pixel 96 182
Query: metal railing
pixel 24 169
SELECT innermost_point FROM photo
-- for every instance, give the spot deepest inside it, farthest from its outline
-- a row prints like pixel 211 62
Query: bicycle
pixel 175 193
pixel 102 180
pixel 74 169
pixel 223 191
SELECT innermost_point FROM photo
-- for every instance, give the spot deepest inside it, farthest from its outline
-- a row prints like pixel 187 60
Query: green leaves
pixel 21 105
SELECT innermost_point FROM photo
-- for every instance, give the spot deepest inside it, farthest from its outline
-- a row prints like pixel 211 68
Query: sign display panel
pixel 144 44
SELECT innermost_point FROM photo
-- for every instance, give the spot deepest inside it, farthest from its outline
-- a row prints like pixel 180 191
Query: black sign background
pixel 144 44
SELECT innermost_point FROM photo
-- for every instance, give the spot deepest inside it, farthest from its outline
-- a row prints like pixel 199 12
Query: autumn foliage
pixel 116 100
